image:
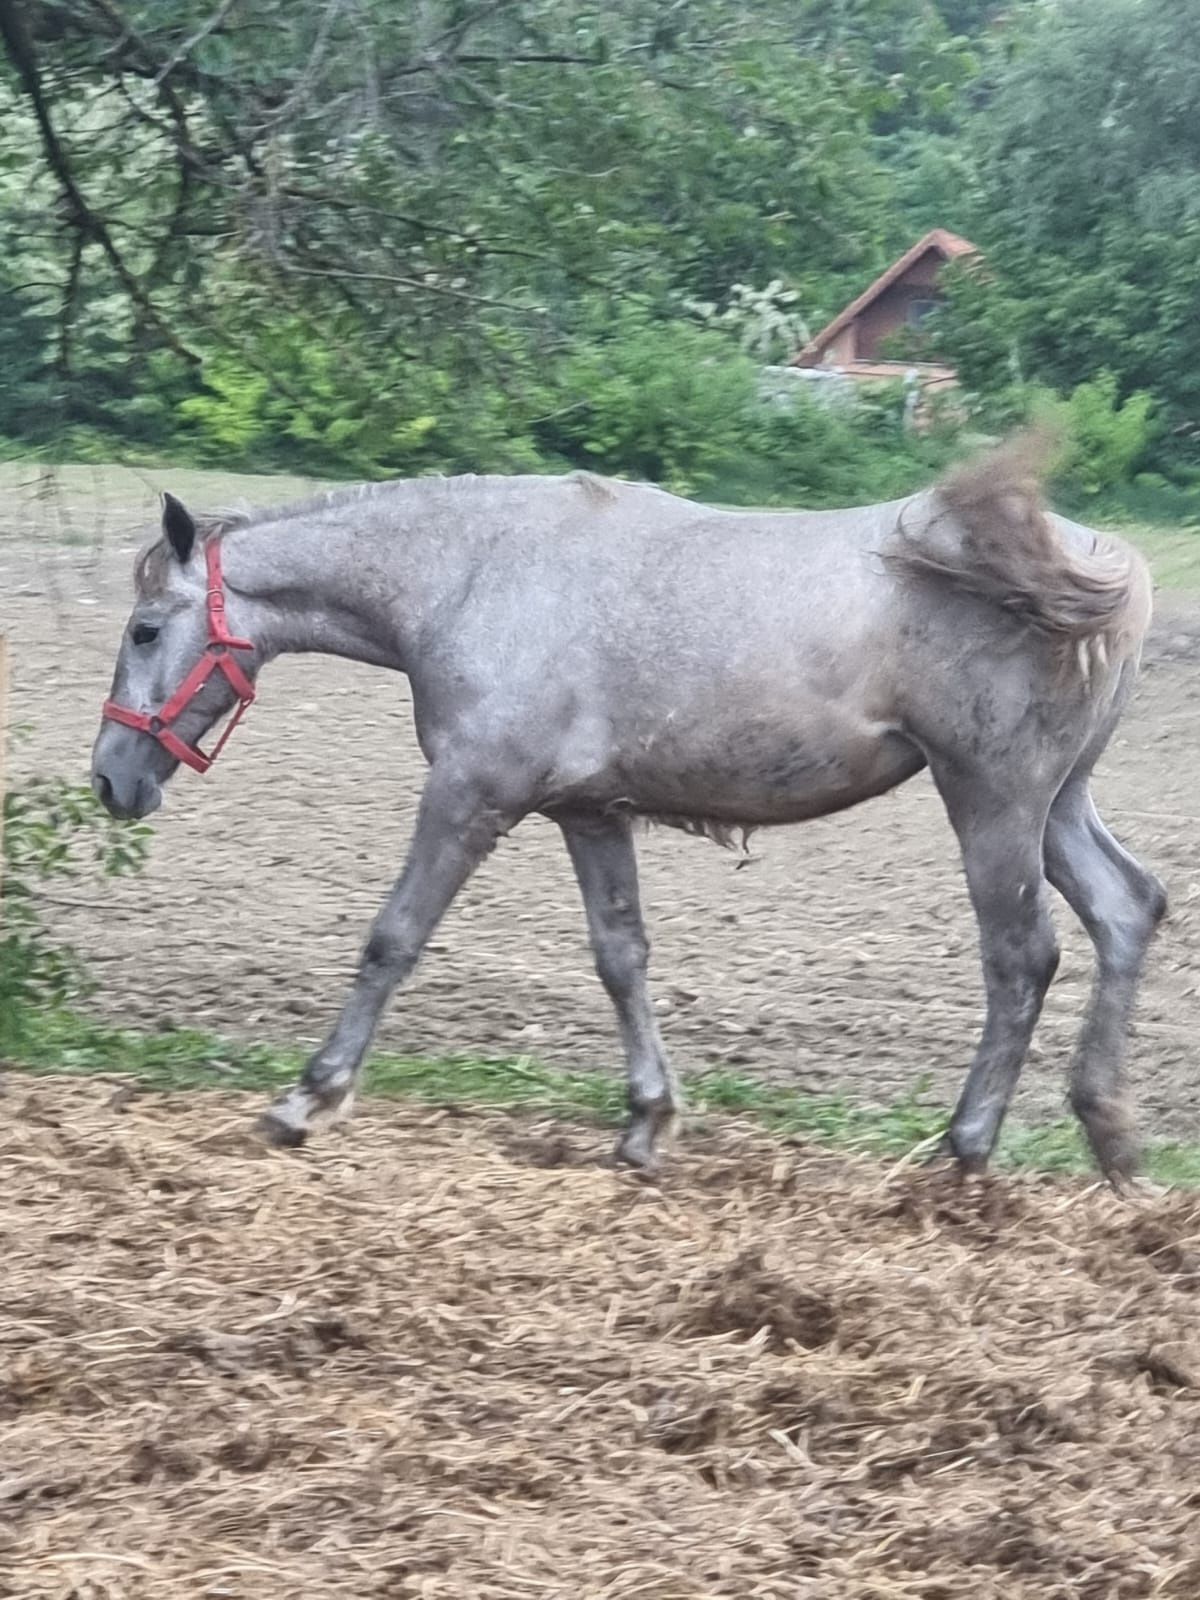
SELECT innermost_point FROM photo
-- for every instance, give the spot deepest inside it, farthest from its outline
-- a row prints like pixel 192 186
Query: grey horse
pixel 601 651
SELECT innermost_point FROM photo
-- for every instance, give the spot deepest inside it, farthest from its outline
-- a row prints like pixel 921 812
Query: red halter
pixel 216 658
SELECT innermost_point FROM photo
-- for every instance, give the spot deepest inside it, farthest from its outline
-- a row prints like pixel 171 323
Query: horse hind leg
pixel 1120 904
pixel 1000 835
pixel 602 853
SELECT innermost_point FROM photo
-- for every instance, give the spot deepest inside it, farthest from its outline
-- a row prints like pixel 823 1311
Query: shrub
pixel 851 453
pixel 668 402
pixel 52 830
pixel 1106 437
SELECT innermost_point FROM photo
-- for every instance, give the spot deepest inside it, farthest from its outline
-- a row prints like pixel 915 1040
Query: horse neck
pixel 310 585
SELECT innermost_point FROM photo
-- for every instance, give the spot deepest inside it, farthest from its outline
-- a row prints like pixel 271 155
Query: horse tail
pixel 995 540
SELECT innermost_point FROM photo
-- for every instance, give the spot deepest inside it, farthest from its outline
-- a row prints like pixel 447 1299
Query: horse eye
pixel 143 633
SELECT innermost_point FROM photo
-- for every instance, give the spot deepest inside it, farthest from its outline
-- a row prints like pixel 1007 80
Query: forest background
pixel 359 238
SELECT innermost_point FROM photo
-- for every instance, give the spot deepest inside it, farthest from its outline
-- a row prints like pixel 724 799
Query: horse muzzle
pixel 127 797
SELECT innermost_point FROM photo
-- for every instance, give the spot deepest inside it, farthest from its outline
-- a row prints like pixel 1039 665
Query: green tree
pixel 389 180
pixel 1087 158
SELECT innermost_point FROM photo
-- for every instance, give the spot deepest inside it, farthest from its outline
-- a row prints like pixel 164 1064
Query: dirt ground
pixel 454 1356
pixel 841 957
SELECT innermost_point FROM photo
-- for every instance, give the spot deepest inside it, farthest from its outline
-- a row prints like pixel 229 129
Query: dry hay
pixel 453 1356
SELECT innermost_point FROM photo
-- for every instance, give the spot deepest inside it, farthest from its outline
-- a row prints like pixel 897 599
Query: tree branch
pixel 308 73
pixel 436 229
pixel 401 282
pixel 81 216
pixel 144 63
pixel 66 315
pixel 186 48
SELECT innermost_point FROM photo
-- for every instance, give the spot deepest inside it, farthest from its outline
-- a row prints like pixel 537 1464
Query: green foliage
pixel 230 413
pixel 978 330
pixel 333 410
pixel 52 830
pixel 845 451
pixel 377 234
pixel 1085 197
pixel 464 236
pixel 1106 437
pixel 665 401
pixel 668 398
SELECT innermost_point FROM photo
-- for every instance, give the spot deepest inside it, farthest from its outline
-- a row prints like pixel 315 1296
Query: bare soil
pixel 454 1356
pixel 841 957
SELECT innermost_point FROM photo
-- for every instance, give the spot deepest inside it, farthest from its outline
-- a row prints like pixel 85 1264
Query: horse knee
pixel 389 955
pixel 1020 949
pixel 622 955
pixel 1034 960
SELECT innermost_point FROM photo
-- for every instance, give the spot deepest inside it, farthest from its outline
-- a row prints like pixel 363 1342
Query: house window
pixel 919 312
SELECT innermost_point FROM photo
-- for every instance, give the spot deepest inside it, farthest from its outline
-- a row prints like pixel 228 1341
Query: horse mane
pixel 152 564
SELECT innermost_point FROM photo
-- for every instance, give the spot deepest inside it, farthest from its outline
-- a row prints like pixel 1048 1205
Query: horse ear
pixel 178 527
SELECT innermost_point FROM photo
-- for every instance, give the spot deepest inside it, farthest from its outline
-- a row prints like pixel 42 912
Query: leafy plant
pixel 664 401
pixel 52 830
pixel 493 254
pixel 1107 436
pixel 846 452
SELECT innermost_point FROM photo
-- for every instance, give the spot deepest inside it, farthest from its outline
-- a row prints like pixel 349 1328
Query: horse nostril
pixel 103 788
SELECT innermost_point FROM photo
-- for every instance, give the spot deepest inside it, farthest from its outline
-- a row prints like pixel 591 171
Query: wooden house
pixel 853 344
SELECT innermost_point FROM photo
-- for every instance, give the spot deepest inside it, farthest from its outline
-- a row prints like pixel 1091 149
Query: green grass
pixel 187 1059
pixel 1173 554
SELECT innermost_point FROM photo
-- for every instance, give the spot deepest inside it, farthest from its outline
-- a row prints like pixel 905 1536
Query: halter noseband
pixel 216 658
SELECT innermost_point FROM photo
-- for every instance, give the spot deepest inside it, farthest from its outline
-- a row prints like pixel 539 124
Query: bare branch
pixel 144 63
pixel 66 315
pixel 186 48
pixel 309 72
pixel 480 242
pixel 528 58
pixel 421 284
pixel 88 223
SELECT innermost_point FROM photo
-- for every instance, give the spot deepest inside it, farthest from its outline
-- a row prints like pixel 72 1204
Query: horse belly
pixel 760 771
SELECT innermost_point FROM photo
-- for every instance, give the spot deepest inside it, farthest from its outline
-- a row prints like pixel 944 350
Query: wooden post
pixel 3 755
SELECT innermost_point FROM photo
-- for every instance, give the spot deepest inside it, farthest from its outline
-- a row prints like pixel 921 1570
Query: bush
pixel 680 404
pixel 850 453
pixel 1105 436
pixel 51 830
pixel 668 402
pixel 336 405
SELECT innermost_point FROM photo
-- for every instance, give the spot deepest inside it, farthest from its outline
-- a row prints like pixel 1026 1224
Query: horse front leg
pixel 602 853
pixel 456 828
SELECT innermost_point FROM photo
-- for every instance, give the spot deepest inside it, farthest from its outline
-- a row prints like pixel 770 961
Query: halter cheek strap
pixel 216 658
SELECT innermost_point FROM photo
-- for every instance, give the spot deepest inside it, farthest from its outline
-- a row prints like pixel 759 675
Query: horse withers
pixel 602 651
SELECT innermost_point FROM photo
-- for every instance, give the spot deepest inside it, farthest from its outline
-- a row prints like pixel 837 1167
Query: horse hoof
pixel 972 1166
pixel 1134 1189
pixel 967 1164
pixel 943 1150
pixel 637 1152
pixel 283 1135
